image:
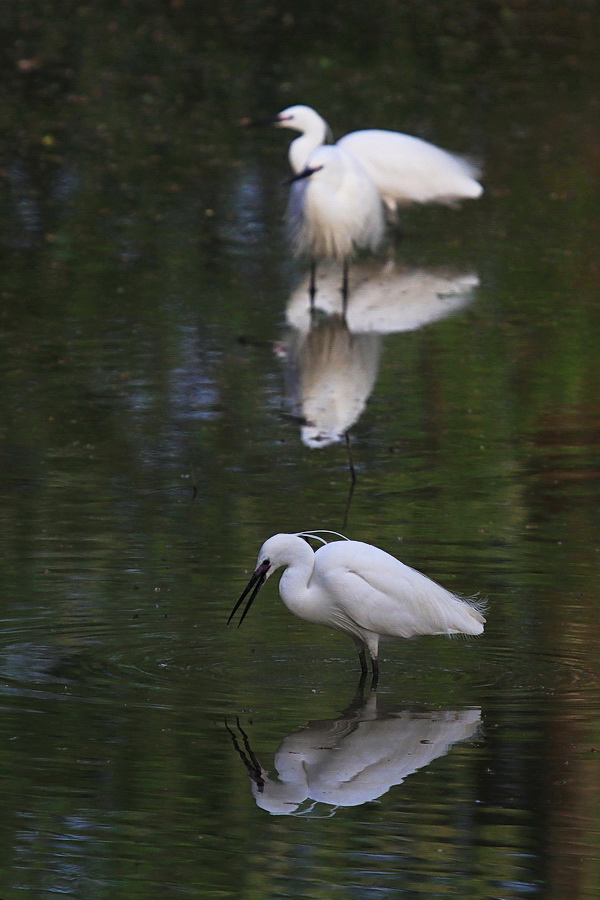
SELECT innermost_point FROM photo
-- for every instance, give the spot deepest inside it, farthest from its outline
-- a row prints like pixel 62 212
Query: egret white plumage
pixel 403 168
pixel 360 590
pixel 334 209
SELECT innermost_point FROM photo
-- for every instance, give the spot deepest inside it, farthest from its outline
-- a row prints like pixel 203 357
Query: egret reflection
pixel 354 759
pixel 332 359
pixel 384 299
pixel 330 375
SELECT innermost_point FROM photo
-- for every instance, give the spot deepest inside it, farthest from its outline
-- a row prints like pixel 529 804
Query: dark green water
pixel 153 349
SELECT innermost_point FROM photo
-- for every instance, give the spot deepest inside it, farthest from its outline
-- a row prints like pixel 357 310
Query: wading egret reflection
pixel 359 590
pixel 353 759
pixel 384 299
pixel 403 168
pixel 330 376
pixel 333 210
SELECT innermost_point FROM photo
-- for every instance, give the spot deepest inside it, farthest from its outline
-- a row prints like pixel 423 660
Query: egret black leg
pixel 350 460
pixel 345 288
pixel 375 667
pixel 363 660
pixel 312 287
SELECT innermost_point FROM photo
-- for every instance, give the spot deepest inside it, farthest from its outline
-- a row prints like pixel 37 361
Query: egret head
pixel 300 118
pixel 279 550
pixel 297 118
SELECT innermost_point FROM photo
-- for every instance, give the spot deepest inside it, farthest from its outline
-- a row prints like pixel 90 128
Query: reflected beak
pixel 305 173
pixel 256 582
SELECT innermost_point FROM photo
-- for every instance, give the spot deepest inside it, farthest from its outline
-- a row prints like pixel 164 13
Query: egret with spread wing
pixel 403 168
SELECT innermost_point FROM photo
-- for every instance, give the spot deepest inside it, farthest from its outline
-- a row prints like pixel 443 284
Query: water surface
pixel 157 371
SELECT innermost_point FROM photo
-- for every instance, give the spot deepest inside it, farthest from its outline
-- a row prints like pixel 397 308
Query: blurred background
pixel 157 369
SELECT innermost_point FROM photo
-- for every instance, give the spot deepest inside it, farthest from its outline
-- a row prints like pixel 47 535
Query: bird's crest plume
pixel 318 531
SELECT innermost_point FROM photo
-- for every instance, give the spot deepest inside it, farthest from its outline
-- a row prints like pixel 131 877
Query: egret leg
pixel 362 655
pixel 348 502
pixel 375 667
pixel 345 288
pixel 312 287
pixel 350 460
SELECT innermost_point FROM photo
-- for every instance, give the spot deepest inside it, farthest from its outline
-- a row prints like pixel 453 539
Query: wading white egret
pixel 333 210
pixel 404 169
pixel 359 590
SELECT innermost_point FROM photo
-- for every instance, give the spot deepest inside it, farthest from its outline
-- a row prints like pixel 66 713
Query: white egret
pixel 404 169
pixel 360 590
pixel 333 210
pixel 330 219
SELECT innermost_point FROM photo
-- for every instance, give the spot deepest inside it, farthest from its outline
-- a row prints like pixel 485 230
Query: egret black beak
pixel 305 173
pixel 258 123
pixel 256 582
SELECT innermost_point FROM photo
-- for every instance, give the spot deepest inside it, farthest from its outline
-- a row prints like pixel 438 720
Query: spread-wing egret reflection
pixel 330 375
pixel 331 362
pixel 360 590
pixel 385 299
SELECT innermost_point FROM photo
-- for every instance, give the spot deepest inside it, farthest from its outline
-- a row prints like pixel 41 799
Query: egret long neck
pixel 294 581
pixel 303 146
pixel 294 584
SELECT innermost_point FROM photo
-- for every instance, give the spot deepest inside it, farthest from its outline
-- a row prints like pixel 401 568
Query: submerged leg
pixel 359 697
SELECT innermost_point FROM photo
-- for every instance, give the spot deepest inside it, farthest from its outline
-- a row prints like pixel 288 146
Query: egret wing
pixel 411 170
pixel 381 594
